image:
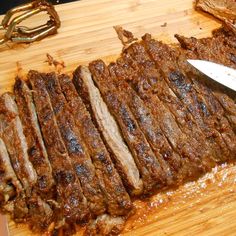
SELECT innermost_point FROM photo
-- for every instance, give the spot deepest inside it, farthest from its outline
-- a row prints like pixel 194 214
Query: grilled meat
pixel 105 225
pixel 71 203
pixel 172 118
pixel 222 9
pixel 105 122
pixel 224 53
pixel 147 123
pixel 13 137
pixel 9 184
pixel 11 190
pixel 76 148
pixel 184 90
pixel 36 149
pixel 118 200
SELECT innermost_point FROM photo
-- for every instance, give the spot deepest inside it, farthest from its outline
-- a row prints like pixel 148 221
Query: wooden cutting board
pixel 205 207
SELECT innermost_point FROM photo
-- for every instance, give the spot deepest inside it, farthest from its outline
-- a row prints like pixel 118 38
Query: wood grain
pixel 206 207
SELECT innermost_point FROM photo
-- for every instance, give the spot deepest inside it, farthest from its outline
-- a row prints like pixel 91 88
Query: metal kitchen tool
pixel 22 34
pixel 221 74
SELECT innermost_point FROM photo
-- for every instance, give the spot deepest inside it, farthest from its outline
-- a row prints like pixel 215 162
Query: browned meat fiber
pixel 79 150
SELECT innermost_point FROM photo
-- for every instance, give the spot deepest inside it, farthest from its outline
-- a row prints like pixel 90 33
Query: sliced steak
pixel 118 200
pixel 143 115
pixel 76 148
pixel 105 225
pixel 13 136
pixel 218 50
pixel 150 170
pixel 218 115
pixel 167 109
pixel 183 88
pixel 72 204
pixel 36 149
pixel 109 129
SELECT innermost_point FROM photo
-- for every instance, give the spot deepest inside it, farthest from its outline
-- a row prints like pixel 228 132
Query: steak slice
pixel 142 74
pixel 184 90
pixel 118 200
pixel 147 123
pixel 150 170
pixel 72 205
pixel 105 122
pixel 76 148
pixel 36 149
pixel 13 137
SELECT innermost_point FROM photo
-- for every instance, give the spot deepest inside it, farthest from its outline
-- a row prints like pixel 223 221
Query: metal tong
pixel 23 34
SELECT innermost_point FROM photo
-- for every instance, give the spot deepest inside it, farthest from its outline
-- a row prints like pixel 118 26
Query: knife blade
pixel 222 74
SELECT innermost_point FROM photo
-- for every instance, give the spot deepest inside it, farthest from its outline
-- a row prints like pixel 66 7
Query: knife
pixel 222 74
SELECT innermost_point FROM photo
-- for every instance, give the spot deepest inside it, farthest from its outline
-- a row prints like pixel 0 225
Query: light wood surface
pixel 206 207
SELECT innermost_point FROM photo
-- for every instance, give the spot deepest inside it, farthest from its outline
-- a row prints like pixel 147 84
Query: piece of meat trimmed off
pixel 118 200
pixel 109 129
pixel 71 203
pixel 76 148
pixel 105 225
